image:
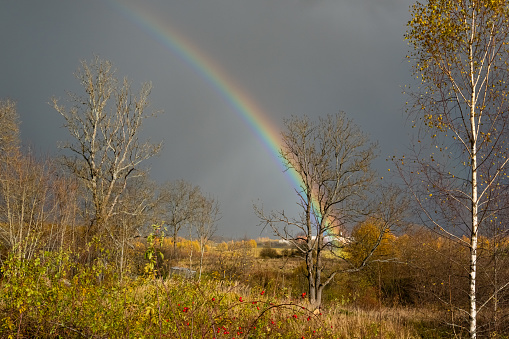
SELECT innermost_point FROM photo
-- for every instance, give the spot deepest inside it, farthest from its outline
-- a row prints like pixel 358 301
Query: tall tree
pixel 333 159
pixel 460 55
pixel 105 124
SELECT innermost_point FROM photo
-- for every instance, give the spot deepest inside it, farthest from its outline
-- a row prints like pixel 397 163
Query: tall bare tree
pixel 333 159
pixel 105 124
pixel 460 54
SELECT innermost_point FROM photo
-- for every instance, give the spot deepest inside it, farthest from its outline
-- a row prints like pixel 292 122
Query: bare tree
pixel 24 186
pixel 105 125
pixel 333 159
pixel 205 221
pixel 38 203
pixel 460 54
pixel 25 203
pixel 9 127
pixel 133 214
pixel 178 201
pixel 66 201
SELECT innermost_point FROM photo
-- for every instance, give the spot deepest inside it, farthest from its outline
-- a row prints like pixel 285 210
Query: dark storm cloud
pixel 292 56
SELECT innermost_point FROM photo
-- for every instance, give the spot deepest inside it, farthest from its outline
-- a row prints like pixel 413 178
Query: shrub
pixel 39 301
pixel 269 253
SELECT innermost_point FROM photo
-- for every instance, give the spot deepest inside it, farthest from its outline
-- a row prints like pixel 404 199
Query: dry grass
pixel 279 278
pixel 384 323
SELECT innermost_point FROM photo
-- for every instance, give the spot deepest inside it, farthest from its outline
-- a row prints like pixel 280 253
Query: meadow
pixel 245 291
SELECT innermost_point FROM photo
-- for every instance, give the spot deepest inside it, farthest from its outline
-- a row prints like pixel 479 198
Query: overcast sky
pixel 292 57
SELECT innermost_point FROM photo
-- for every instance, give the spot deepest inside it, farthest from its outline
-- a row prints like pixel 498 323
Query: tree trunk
pixel 311 280
pixel 495 284
pixel 475 202
pixel 201 263
pixel 174 243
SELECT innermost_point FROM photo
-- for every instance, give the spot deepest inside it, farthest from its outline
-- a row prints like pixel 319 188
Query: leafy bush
pixel 51 296
pixel 269 253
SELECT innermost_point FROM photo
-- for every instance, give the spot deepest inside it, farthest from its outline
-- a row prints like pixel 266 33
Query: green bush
pixel 51 296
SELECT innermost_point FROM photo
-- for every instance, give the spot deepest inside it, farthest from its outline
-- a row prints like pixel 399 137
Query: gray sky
pixel 293 57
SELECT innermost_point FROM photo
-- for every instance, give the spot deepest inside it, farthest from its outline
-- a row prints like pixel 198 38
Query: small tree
pixel 37 201
pixel 333 159
pixel 366 235
pixel 9 127
pixel 178 202
pixel 133 214
pixel 105 125
pixel 66 199
pixel 205 223
pixel 25 186
pixel 25 203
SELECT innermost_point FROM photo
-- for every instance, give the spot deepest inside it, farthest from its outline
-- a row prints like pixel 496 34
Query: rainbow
pixel 241 102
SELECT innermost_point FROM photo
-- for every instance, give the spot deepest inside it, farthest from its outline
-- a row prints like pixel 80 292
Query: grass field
pixel 240 295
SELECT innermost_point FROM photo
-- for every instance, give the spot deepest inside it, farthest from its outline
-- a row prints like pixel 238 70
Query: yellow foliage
pixel 167 243
pixel 365 237
pixel 138 245
pixel 189 245
pixel 252 243
pixel 222 247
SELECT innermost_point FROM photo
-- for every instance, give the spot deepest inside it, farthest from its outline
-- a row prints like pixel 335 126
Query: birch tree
pixel 106 151
pixel 25 203
pixel 459 54
pixel 38 203
pixel 24 187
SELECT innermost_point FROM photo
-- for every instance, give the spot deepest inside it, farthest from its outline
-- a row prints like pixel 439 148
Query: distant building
pixel 328 239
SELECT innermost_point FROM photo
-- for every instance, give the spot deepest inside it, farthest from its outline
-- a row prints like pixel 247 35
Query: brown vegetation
pixel 92 249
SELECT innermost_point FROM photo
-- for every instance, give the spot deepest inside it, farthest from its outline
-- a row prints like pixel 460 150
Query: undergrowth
pixel 51 296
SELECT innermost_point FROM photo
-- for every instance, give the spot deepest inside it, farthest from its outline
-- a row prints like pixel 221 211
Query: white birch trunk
pixel 475 202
